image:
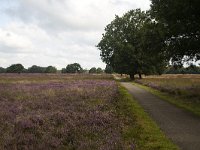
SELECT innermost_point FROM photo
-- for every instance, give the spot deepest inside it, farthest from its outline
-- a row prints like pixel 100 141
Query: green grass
pixel 178 101
pixel 140 128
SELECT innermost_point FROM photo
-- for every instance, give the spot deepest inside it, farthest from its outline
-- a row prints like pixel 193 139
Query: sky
pixel 57 32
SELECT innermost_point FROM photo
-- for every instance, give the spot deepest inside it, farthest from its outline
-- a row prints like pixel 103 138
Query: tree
pixel 93 70
pixel 2 70
pixel 15 68
pixel 84 71
pixel 74 68
pixel 50 69
pixel 108 69
pixel 99 70
pixel 25 70
pixel 155 58
pixel 191 69
pixel 63 70
pixel 180 20
pixel 129 44
pixel 36 69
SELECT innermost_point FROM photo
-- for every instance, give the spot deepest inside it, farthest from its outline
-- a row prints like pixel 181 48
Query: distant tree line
pixel 192 69
pixel 95 70
pixel 71 68
pixel 19 68
pixel 76 68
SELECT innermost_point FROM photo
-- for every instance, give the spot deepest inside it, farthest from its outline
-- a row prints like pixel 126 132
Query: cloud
pixel 57 32
pixel 13 43
pixel 72 14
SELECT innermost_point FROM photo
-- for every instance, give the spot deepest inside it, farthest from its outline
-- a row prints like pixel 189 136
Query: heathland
pixel 56 111
pixel 181 90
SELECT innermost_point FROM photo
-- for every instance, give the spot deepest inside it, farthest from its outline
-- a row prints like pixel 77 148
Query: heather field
pixel 59 112
pixel 187 86
pixel 73 112
pixel 185 89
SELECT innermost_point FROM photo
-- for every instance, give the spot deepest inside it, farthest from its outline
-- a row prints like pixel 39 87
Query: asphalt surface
pixel 182 127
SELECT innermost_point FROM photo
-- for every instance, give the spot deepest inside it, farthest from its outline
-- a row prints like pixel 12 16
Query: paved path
pixel 180 126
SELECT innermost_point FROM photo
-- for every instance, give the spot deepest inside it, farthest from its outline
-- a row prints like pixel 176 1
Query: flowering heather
pixel 184 86
pixel 59 112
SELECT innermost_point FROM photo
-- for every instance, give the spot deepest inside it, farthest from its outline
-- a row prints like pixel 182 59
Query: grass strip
pixel 191 107
pixel 140 128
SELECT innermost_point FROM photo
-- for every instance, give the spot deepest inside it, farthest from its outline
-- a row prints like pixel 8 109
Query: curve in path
pixel 180 126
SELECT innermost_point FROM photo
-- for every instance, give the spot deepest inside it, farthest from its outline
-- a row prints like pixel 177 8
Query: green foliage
pixel 73 68
pixel 2 70
pixel 63 70
pixel 132 44
pixel 15 68
pixel 108 69
pixel 84 71
pixel 25 70
pixel 50 69
pixel 181 26
pixel 93 70
pixel 36 69
pixel 96 70
pixel 192 69
pixel 99 70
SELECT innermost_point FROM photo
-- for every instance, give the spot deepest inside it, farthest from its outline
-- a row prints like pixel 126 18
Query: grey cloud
pixel 54 16
pixel 57 32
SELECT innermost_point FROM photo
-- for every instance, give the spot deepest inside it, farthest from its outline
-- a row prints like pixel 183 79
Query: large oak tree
pixel 181 24
pixel 132 44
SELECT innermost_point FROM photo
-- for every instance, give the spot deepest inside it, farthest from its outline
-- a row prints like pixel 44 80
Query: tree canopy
pixel 132 44
pixel 15 68
pixel 108 69
pixel 2 70
pixel 99 70
pixel 93 70
pixel 50 69
pixel 73 68
pixel 36 69
pixel 180 21
pixel 191 69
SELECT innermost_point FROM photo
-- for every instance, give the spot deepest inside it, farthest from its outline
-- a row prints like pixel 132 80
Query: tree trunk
pixel 140 75
pixel 121 74
pixel 132 76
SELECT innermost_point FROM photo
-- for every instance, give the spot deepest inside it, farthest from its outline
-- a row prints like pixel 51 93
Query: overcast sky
pixel 57 32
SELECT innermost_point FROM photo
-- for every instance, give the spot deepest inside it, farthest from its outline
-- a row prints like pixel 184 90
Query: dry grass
pixel 182 85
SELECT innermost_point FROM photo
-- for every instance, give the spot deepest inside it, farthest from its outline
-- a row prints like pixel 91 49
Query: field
pixel 43 111
pixel 60 112
pixel 185 89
